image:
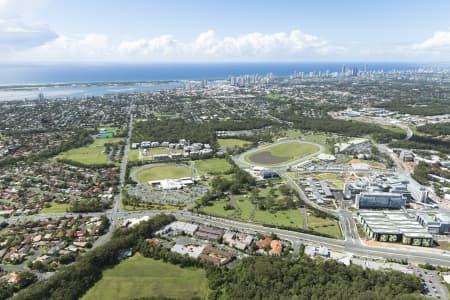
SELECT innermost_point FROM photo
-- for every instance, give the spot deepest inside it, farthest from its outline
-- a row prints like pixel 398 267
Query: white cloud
pixel 17 32
pixel 208 45
pixel 87 46
pixel 205 46
pixel 440 41
pixel 16 36
pixel 164 45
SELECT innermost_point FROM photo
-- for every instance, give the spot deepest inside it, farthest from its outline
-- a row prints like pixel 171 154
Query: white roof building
pixel 190 250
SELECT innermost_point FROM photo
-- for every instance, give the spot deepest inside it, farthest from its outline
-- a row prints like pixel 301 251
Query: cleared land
pixel 232 143
pixel 368 162
pixel 92 154
pixel 139 277
pixel 213 166
pixel 282 153
pixel 163 172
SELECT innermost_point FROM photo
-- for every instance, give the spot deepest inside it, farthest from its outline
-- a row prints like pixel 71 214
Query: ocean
pixel 21 81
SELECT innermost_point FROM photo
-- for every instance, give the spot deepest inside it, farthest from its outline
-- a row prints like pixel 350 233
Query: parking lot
pixel 170 197
pixel 432 283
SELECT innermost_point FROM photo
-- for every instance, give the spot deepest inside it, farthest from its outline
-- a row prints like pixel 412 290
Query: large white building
pixel 177 227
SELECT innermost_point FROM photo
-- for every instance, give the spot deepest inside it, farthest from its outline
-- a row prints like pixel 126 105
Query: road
pixel 413 254
pixel 350 245
pixel 114 212
pixel 282 169
pixel 302 194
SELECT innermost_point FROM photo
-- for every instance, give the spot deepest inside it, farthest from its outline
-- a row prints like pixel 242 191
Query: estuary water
pixel 27 81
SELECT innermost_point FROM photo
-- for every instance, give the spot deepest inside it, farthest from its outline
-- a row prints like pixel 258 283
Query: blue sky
pixel 174 30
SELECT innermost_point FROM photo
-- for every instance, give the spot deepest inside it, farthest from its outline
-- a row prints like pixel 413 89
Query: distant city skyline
pixel 224 31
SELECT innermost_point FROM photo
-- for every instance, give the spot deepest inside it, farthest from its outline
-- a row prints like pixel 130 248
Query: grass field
pixel 139 277
pixel 231 143
pixel 327 176
pixel 113 130
pixel 335 179
pixel 213 166
pixel 163 172
pixel 217 209
pixel 245 209
pixel 92 154
pixel 134 153
pixel 326 226
pixel 152 206
pixel 290 217
pixel 320 139
pixel 282 153
pixel 55 208
pixel 394 129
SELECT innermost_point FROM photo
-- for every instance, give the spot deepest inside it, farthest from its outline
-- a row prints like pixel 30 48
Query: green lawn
pixel 292 150
pixel 213 166
pixel 92 154
pixel 245 206
pixel 231 143
pixel 55 208
pixel 320 139
pixel 288 151
pixel 134 153
pixel 163 172
pixel 327 176
pixel 327 226
pixel 290 217
pixel 113 130
pixel 394 129
pixel 333 178
pixel 217 209
pixel 139 277
pixel 339 184
pixel 291 133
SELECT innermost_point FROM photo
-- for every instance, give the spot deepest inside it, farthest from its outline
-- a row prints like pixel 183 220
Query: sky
pixel 155 31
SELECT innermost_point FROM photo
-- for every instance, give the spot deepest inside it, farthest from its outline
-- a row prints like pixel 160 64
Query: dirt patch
pixel 267 158
pixel 397 245
pixel 373 164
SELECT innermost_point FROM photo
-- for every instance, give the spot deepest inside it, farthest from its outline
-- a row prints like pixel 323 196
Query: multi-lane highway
pixel 351 244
